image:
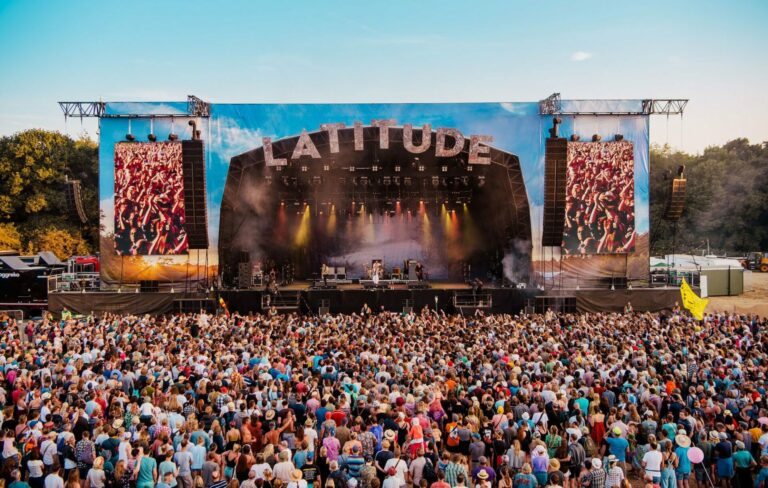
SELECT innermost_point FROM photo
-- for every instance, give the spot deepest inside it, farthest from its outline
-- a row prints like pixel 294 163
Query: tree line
pixel 726 200
pixel 726 197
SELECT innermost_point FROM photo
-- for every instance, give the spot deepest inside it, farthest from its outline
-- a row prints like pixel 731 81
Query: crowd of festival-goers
pixel 149 199
pixel 600 202
pixel 384 401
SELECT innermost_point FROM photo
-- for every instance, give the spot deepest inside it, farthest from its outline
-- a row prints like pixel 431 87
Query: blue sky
pixel 396 51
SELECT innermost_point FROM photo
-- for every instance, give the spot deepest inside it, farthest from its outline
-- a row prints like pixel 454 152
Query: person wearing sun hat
pixel 744 462
pixel 683 469
pixel 297 479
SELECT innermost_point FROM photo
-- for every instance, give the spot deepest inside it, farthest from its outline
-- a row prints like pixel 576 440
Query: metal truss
pixel 195 108
pixel 552 105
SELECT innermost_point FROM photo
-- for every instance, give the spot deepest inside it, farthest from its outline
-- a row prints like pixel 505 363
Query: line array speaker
pixel 676 200
pixel 75 201
pixel 555 171
pixel 193 163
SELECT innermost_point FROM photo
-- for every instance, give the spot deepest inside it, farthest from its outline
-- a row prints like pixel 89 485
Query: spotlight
pixel 326 167
pixel 575 138
pixel 277 168
pixel 618 137
pixel 351 169
pixel 268 179
pixel 387 181
pixel 354 182
pixel 596 138
pixel 304 168
pixel 421 168
pixel 445 169
pixel 396 180
pixel 407 181
pixel 286 181
pixel 374 168
pixel 130 137
pixel 173 137
pixel 465 180
pixel 470 168
pixel 152 138
pixel 480 181
pixel 444 181
pixel 435 181
pixel 397 168
pixel 364 181
pixel 316 180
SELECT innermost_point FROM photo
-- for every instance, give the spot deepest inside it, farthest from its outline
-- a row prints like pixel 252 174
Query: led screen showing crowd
pixel 149 199
pixel 599 202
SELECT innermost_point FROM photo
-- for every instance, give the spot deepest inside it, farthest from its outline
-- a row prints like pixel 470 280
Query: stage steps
pixel 284 300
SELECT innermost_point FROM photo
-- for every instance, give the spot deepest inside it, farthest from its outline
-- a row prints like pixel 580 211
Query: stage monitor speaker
pixel 555 171
pixel 196 218
pixel 149 286
pixel 75 201
pixel 676 200
pixel 411 266
pixel 245 275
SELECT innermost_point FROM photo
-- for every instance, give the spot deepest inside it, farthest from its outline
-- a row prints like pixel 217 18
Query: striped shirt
pixel 452 472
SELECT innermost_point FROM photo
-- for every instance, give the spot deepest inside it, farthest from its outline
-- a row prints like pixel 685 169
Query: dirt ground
pixel 753 301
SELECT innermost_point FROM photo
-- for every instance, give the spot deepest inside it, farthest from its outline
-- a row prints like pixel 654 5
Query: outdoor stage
pixel 350 298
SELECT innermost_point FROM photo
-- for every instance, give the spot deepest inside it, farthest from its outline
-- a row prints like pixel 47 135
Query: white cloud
pixel 229 139
pixel 580 56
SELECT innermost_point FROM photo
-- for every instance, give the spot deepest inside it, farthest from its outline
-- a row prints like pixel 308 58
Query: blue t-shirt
pixel 683 463
pixel 618 447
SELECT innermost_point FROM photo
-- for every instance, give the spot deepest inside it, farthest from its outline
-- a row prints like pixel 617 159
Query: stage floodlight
pixel 421 168
pixel 326 167
pixel 445 169
pixel 304 168
pixel 387 181
pixel 396 180
pixel 407 181
pixel 375 168
pixel 480 181
pixel 435 181
pixel 397 168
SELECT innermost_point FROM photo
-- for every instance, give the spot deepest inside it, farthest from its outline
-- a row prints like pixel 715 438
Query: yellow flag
pixel 692 302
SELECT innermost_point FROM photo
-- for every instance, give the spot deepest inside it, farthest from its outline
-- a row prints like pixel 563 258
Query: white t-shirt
pixel 401 468
pixel 53 480
pixel 652 460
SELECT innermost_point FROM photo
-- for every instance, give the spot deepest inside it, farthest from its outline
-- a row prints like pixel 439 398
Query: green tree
pixel 34 166
pixel 726 199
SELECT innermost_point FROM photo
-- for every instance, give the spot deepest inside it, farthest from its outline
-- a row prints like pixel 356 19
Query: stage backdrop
pixel 501 142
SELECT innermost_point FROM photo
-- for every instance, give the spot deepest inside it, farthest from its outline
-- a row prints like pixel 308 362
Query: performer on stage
pixel 376 272
pixel 272 287
pixel 419 271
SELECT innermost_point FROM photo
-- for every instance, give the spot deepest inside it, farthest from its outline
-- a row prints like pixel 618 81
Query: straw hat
pixel 482 474
pixel 389 434
pixel 554 465
pixel 683 440
pixel 296 475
